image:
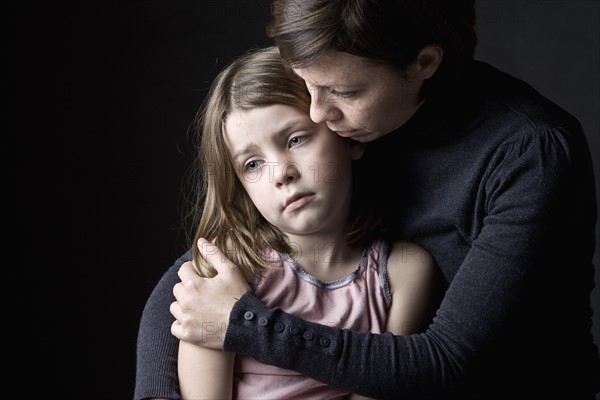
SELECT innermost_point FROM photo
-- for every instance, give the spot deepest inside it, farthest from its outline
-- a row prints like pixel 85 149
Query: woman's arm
pixel 156 361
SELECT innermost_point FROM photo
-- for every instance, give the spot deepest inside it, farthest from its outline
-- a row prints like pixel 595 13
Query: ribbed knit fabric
pixel 156 367
pixel 158 374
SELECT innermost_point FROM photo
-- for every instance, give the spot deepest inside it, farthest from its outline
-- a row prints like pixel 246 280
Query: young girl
pixel 278 198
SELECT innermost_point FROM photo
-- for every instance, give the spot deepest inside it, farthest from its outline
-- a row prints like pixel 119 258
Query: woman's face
pixel 358 98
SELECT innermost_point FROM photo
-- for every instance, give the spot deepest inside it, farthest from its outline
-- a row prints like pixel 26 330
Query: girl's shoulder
pixel 416 286
pixel 409 263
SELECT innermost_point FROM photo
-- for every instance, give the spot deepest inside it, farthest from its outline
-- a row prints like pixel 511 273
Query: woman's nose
pixel 323 107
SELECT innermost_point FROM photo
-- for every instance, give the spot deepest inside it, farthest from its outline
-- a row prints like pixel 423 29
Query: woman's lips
pixel 345 133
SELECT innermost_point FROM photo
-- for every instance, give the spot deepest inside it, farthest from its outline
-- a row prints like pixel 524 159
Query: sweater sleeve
pixel 156 364
pixel 526 189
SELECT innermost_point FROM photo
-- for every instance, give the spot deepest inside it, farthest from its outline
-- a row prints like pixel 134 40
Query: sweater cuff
pixel 275 337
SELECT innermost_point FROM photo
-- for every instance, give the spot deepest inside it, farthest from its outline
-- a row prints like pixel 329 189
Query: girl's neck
pixel 327 258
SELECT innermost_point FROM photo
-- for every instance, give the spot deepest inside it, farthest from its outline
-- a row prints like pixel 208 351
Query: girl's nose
pixel 290 172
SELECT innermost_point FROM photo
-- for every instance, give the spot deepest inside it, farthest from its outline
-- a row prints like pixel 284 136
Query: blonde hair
pixel 227 216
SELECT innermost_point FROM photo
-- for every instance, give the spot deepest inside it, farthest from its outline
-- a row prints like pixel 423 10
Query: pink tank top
pixel 358 302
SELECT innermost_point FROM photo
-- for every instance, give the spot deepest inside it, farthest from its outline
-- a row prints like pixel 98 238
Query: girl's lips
pixel 297 201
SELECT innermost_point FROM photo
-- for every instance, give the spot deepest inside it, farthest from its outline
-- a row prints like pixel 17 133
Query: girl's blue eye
pixel 251 165
pixel 296 141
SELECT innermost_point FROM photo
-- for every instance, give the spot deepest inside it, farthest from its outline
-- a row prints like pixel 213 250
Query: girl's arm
pixel 415 285
pixel 204 373
pixel 416 288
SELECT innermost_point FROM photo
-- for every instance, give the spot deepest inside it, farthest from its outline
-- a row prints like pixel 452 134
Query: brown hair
pixel 387 31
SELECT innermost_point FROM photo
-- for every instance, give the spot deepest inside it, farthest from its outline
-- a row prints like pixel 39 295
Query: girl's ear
pixel 357 149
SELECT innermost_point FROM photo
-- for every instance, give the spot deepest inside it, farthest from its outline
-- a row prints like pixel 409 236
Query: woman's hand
pixel 203 305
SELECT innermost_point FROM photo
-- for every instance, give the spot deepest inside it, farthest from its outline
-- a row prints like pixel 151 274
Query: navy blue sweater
pixel 497 183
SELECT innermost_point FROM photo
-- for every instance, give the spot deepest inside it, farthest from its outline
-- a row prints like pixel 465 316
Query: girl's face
pixel 358 98
pixel 297 172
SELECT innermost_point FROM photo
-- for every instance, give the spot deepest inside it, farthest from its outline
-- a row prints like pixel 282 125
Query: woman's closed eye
pixel 343 95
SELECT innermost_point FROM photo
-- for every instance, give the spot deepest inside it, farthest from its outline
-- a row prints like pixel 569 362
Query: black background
pixel 105 93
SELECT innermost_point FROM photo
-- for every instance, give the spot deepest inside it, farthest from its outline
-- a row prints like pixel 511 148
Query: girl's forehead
pixel 258 125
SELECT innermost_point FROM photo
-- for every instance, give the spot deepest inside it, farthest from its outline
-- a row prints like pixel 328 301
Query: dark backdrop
pixel 105 93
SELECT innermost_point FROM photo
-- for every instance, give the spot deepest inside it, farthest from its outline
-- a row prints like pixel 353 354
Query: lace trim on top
pixel 302 274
